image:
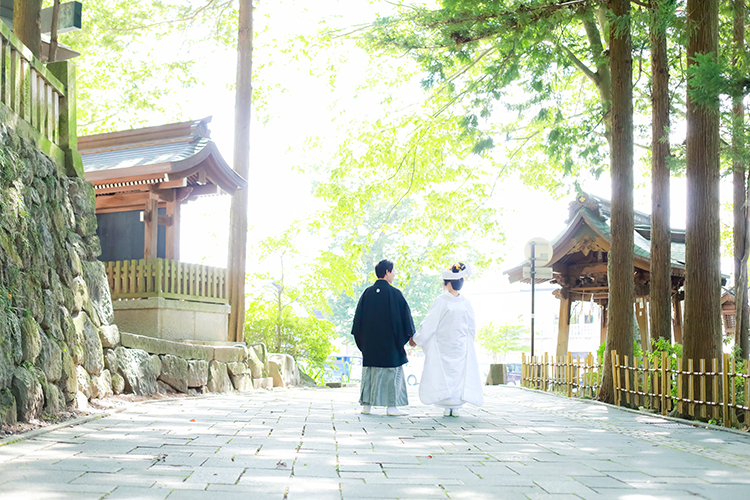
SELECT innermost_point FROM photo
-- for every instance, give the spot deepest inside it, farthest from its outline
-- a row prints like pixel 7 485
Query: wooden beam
pixel 563 329
pixel 177 183
pixel 150 218
pixel 589 268
pixel 122 200
pixel 163 194
pixel 184 193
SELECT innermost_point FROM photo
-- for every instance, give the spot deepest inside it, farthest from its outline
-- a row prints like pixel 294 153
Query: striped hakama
pixel 383 387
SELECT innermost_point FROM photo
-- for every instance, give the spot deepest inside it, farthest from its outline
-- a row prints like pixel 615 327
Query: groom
pixel 382 326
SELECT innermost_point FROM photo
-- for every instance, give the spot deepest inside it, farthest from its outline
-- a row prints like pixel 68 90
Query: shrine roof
pixel 594 213
pixel 157 154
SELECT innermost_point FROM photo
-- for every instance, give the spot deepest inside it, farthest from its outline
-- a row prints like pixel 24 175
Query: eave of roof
pixel 561 245
pixel 174 150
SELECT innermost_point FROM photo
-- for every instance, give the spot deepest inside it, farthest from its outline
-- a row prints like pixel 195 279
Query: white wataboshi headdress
pixel 461 271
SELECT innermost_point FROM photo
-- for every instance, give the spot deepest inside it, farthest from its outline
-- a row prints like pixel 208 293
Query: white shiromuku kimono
pixel 451 374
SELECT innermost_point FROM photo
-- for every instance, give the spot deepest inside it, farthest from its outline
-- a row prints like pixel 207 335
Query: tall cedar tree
pixel 739 168
pixel 27 24
pixel 620 268
pixel 661 275
pixel 238 210
pixel 702 335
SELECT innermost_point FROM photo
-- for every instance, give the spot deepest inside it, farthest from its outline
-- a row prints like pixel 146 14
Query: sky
pixel 299 102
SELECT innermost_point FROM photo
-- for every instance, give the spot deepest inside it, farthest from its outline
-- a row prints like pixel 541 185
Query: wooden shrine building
pixel 579 266
pixel 141 179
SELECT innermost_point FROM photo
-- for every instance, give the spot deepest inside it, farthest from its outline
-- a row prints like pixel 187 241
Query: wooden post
pixel 702 367
pixel 570 375
pixel 627 379
pixel 725 385
pixel 641 314
pixel 715 387
pixel 604 324
pixel 151 228
pixel 664 383
pixel 172 251
pixel 236 271
pixel 545 372
pixel 563 328
pixel 65 71
pixel 615 371
pixel 677 321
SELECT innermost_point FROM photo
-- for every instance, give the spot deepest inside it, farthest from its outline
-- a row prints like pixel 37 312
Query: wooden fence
pixel 719 393
pixel 656 383
pixel 136 279
pixel 579 377
pixel 28 88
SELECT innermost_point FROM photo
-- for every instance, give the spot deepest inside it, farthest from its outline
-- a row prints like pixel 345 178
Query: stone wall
pixel 58 346
pixel 54 298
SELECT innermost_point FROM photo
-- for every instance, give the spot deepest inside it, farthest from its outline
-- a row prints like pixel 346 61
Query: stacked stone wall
pixel 54 298
pixel 58 344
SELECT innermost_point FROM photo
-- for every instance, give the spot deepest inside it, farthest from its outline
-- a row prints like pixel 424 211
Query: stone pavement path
pixel 314 444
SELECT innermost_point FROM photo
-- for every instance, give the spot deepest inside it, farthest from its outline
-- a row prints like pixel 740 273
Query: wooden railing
pixel 136 279
pixel 579 377
pixel 658 382
pixel 41 97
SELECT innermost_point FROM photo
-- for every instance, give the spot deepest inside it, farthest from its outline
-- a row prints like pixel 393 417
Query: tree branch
pixel 580 65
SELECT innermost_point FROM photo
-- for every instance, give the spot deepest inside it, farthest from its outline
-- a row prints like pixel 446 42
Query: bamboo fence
pixel 714 391
pixel 579 377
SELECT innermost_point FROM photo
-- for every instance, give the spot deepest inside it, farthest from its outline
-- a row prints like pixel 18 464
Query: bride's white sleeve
pixel 430 323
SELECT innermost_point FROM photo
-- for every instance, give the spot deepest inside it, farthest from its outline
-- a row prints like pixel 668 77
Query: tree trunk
pixel 27 24
pixel 620 268
pixel 661 267
pixel 742 312
pixel 702 333
pixel 52 54
pixel 238 211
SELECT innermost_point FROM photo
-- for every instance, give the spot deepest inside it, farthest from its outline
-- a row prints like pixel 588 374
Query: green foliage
pixel 502 339
pixel 136 55
pixel 289 319
pixel 307 339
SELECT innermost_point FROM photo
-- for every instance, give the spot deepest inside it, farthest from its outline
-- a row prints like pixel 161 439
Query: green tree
pixel 289 318
pixel 702 333
pixel 621 253
pixel 502 339
pixel 135 55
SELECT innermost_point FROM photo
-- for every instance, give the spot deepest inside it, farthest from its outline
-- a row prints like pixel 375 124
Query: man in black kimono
pixel 382 326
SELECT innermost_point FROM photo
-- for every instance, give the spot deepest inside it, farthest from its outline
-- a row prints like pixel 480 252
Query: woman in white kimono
pixel 451 374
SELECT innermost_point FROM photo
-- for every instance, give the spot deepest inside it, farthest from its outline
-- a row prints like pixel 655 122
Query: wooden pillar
pixel 151 224
pixel 677 321
pixel 563 329
pixel 641 316
pixel 604 325
pixel 173 230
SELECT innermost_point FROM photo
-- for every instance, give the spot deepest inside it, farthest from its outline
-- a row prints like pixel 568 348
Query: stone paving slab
pixel 314 444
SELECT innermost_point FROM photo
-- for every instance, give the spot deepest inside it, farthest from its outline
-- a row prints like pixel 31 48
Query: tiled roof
pixel 145 155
